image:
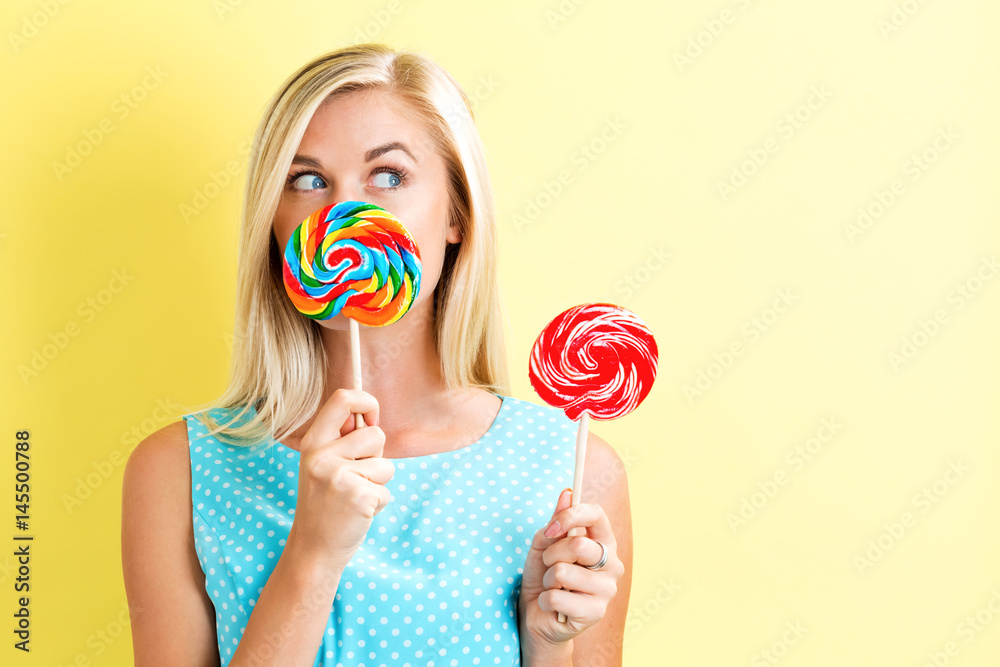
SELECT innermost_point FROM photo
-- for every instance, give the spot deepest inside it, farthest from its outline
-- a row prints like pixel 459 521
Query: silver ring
pixel 604 559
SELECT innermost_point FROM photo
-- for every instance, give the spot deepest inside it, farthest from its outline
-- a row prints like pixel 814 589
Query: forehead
pixel 359 120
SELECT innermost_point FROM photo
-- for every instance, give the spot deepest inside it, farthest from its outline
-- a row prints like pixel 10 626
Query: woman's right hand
pixel 342 478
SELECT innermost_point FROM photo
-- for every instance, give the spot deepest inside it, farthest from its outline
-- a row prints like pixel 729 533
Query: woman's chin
pixel 338 322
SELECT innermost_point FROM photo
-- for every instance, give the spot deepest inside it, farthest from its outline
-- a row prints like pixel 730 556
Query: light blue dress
pixel 437 580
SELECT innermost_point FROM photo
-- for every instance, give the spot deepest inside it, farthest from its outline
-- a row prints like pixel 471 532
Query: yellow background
pixel 548 79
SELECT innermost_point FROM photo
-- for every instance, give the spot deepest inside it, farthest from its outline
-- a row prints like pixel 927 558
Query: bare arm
pixel 605 484
pixel 173 620
pixel 287 623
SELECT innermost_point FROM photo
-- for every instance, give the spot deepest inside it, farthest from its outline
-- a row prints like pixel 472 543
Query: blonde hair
pixel 277 352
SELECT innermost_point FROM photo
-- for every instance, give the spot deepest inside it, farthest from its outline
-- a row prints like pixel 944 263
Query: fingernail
pixel 553 529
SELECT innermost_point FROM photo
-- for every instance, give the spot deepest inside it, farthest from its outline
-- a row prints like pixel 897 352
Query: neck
pixel 400 366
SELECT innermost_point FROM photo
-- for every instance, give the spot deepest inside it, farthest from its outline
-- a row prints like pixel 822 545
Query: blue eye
pixel 393 179
pixel 308 182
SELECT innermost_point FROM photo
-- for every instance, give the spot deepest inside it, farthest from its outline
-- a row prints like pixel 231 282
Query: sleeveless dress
pixel 437 580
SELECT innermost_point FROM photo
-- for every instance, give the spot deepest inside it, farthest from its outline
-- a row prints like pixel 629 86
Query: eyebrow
pixel 369 156
pixel 385 148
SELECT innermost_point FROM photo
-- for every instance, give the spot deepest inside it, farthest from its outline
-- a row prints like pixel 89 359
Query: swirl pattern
pixel 353 258
pixel 598 357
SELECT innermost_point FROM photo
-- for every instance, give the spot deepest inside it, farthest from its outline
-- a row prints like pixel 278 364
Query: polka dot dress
pixel 436 581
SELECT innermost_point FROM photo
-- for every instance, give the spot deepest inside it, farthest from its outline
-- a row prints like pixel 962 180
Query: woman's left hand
pixel 556 579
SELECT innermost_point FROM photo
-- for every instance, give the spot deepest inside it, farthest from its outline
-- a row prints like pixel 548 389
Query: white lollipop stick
pixel 581 455
pixel 359 419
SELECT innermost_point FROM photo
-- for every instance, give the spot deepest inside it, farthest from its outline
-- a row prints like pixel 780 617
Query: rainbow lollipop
pixel 595 360
pixel 353 258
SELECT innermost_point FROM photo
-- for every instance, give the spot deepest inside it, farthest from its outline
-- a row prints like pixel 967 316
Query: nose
pixel 345 191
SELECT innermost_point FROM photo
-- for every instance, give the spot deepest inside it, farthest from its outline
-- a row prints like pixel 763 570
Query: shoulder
pixel 167 444
pixel 159 464
pixel 604 470
pixel 156 502
pixel 605 478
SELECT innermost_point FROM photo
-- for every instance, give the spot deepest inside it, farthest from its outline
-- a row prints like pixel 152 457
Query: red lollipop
pixel 596 360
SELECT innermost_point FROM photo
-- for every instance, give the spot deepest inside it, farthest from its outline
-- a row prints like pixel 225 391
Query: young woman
pixel 266 529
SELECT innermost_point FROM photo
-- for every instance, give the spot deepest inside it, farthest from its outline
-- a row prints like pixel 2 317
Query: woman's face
pixel 358 146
